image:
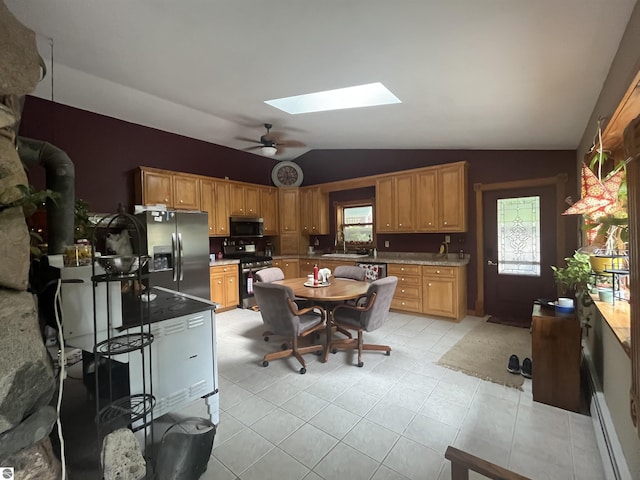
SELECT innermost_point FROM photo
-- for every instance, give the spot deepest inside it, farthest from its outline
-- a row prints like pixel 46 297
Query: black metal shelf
pixel 135 409
pixel 130 409
pixel 124 344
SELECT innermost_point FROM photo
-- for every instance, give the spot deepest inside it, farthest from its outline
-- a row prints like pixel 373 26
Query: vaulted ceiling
pixel 491 74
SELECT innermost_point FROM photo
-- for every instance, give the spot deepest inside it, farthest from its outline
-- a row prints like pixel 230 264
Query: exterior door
pixel 520 247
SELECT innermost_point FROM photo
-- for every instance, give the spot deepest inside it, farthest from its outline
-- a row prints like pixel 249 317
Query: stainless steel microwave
pixel 246 227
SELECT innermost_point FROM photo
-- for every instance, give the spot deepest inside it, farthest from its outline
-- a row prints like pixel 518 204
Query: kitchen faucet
pixel 339 236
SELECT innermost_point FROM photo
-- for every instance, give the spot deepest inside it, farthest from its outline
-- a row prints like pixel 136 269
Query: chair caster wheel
pixel 266 339
pixel 265 363
pixel 303 371
pixel 283 346
pixel 334 351
pixel 360 364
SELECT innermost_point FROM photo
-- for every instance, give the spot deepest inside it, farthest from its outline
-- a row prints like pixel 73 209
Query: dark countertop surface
pixel 166 305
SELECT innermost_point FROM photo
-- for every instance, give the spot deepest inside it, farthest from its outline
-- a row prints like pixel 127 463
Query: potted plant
pixel 575 280
pixel 575 277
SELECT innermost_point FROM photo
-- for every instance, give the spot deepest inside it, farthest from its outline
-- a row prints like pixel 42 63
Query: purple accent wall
pixel 106 151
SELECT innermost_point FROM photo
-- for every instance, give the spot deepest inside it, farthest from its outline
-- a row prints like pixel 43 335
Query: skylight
pixel 350 97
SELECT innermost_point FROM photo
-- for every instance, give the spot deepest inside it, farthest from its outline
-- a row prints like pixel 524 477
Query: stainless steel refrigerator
pixel 178 244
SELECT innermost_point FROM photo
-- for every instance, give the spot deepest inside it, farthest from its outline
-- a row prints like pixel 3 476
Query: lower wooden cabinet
pixel 289 266
pixel 444 291
pixel 408 295
pixel 224 286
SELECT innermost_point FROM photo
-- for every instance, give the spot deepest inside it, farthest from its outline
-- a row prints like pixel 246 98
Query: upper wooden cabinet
pixel 427 201
pixel 207 190
pixel 314 211
pixel 288 203
pixel 154 187
pixel 269 208
pixel 214 201
pixel 244 200
pixel 395 203
pixel 175 190
pixel 441 199
pixel 186 189
pixel 433 199
pixel 452 198
pixel 221 208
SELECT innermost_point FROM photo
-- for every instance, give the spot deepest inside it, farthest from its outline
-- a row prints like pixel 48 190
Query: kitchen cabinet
pixel 432 199
pixel 244 200
pixel 221 208
pixel 186 189
pixel 269 208
pixel 427 201
pixel 175 190
pixel 153 187
pixel 224 286
pixel 289 212
pixel 213 201
pixel 444 291
pixel 306 266
pixel 207 193
pixel 395 203
pixel 314 211
pixel 332 264
pixel 289 266
pixel 452 198
pixel 408 294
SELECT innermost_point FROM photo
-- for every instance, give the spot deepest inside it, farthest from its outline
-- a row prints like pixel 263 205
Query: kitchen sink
pixel 345 255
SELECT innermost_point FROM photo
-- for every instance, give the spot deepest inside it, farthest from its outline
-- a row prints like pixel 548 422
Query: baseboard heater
pixel 613 461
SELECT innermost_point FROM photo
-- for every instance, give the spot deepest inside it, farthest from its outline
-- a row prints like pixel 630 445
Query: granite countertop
pixel 224 261
pixel 408 258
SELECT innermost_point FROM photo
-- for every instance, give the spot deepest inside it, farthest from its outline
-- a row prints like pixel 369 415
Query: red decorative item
pixel 315 274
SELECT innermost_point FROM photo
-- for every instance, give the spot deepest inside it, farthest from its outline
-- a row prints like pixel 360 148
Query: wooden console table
pixel 556 358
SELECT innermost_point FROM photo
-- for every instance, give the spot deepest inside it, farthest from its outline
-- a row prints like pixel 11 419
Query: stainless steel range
pixel 249 264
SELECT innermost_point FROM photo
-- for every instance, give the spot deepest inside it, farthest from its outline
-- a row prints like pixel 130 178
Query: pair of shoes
pixel 514 365
pixel 527 368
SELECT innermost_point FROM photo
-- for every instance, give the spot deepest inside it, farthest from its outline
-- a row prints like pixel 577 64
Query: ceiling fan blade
pixel 245 139
pixel 292 143
pixel 255 147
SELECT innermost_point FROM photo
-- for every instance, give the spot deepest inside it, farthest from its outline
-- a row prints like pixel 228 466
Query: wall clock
pixel 286 174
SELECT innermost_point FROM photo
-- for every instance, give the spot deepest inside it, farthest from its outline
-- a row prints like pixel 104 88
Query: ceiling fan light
pixel 269 151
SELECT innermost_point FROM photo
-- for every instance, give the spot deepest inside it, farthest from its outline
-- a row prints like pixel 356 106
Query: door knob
pixel 492 263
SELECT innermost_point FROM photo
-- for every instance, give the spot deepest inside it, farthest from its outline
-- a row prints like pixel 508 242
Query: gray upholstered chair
pixel 271 274
pixel 281 316
pixel 367 317
pixel 351 272
pixel 268 275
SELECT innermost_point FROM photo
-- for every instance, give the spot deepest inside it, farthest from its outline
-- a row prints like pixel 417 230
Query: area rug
pixel 511 321
pixel 484 353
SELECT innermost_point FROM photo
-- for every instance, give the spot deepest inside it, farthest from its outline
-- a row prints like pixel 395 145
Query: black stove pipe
pixel 60 177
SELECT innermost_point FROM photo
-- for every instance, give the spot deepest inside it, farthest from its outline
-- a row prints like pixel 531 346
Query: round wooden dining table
pixel 337 291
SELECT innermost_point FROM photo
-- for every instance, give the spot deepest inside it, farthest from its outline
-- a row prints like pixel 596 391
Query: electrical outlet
pixel 447 239
pixel 386 244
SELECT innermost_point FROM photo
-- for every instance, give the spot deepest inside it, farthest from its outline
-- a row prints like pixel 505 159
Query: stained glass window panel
pixel 519 236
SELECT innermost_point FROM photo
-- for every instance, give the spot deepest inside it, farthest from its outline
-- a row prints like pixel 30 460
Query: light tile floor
pixel 391 419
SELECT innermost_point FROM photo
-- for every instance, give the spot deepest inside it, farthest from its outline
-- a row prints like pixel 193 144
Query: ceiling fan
pixel 270 144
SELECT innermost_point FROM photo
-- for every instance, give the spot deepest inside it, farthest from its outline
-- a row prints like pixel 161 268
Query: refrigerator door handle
pixel 174 252
pixel 181 249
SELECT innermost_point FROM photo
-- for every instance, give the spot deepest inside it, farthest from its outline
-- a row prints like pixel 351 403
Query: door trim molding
pixel 558 181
